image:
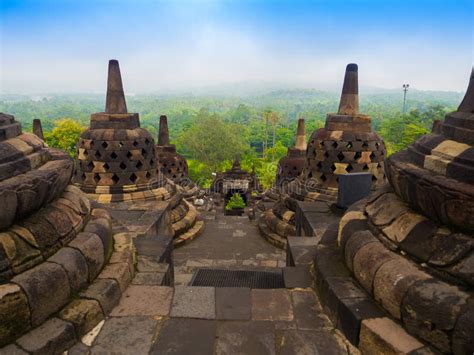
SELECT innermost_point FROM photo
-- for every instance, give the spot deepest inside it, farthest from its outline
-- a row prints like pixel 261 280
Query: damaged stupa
pixel 345 145
pixel 411 244
pixel 53 244
pixel 171 164
pixel 291 165
pixel 117 162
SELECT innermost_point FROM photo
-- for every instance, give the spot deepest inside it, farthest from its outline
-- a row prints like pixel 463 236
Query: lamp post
pixel 405 89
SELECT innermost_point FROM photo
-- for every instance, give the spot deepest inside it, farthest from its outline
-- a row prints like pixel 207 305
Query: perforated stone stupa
pixel 116 158
pixel 411 245
pixel 291 166
pixel 345 145
pixel 52 243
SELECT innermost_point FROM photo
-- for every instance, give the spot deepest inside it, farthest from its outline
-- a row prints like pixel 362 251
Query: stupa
pixel 291 166
pixel 411 245
pixel 117 162
pixel 170 163
pixel 53 244
pixel 345 145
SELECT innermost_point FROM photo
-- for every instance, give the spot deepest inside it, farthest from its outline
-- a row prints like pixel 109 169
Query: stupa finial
pixel 349 104
pixel 300 143
pixel 163 134
pixel 115 100
pixel 467 104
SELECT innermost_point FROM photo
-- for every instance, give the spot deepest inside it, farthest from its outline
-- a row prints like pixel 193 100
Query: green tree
pixel 65 135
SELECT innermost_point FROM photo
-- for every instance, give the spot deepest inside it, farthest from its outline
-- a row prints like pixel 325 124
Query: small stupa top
pixel 171 164
pixel 348 117
pixel 291 165
pixel 116 114
pixel 116 156
pixel 31 174
pixel 346 144
pixel 435 175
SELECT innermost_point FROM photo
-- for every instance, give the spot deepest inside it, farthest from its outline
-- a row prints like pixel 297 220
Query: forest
pixel 211 129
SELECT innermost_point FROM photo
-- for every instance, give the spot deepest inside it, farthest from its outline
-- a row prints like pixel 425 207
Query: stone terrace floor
pixel 207 320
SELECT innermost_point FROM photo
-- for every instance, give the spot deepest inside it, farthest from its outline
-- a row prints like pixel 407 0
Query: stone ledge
pixel 271 237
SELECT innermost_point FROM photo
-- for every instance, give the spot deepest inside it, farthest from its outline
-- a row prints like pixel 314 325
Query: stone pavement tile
pixel 125 335
pixel 233 303
pixel 225 262
pixel 53 337
pixel 269 263
pixel 297 276
pixel 309 342
pixel 194 302
pixel 245 337
pixel 148 278
pixel 144 301
pixel 250 263
pixel 272 304
pixel 307 311
pixel 185 336
pixel 182 279
pixel 78 349
pixel 12 349
pixel 199 262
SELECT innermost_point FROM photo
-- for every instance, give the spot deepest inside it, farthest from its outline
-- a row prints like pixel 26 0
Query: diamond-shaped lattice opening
pixel 340 156
pixel 334 144
pixel 377 145
pixel 323 177
pixel 105 145
pixel 90 165
pixel 349 145
pixel 365 144
pixel 123 166
pixel 96 178
pixel 147 141
pixel 357 156
pixel 86 153
pixel 372 156
pixel 97 154
pixel 326 154
pixel 139 165
pixel 148 175
pixel 133 177
pixel 113 155
pixel 173 164
pixel 115 178
pixel 120 144
pixel 319 165
pixel 321 144
pixel 165 165
pixel 92 144
pixel 129 155
pixel 106 167
pixel 333 168
pixel 83 176
pixel 152 162
pixel 169 171
pixel 349 168
pixel 365 167
pixel 374 178
pixel 144 152
pixel 135 143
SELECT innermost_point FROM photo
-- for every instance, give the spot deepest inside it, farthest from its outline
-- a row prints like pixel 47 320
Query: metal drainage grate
pixel 237 278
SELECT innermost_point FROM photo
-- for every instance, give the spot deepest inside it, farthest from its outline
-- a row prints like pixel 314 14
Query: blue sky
pixel 64 45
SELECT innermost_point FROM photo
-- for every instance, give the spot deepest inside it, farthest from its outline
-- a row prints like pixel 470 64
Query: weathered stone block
pixel 20 253
pixel 354 244
pixel 91 247
pixel 430 310
pixel 385 209
pixel 368 260
pixel 53 337
pixel 463 335
pixel 105 291
pixel 75 265
pixel 383 336
pixel 84 314
pixel 392 281
pixel 14 313
pixel 120 272
pixel 102 228
pixel 47 288
pixel 144 301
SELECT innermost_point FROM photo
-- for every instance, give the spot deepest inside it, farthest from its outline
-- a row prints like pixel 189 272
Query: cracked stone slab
pixel 194 302
pixel 144 301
